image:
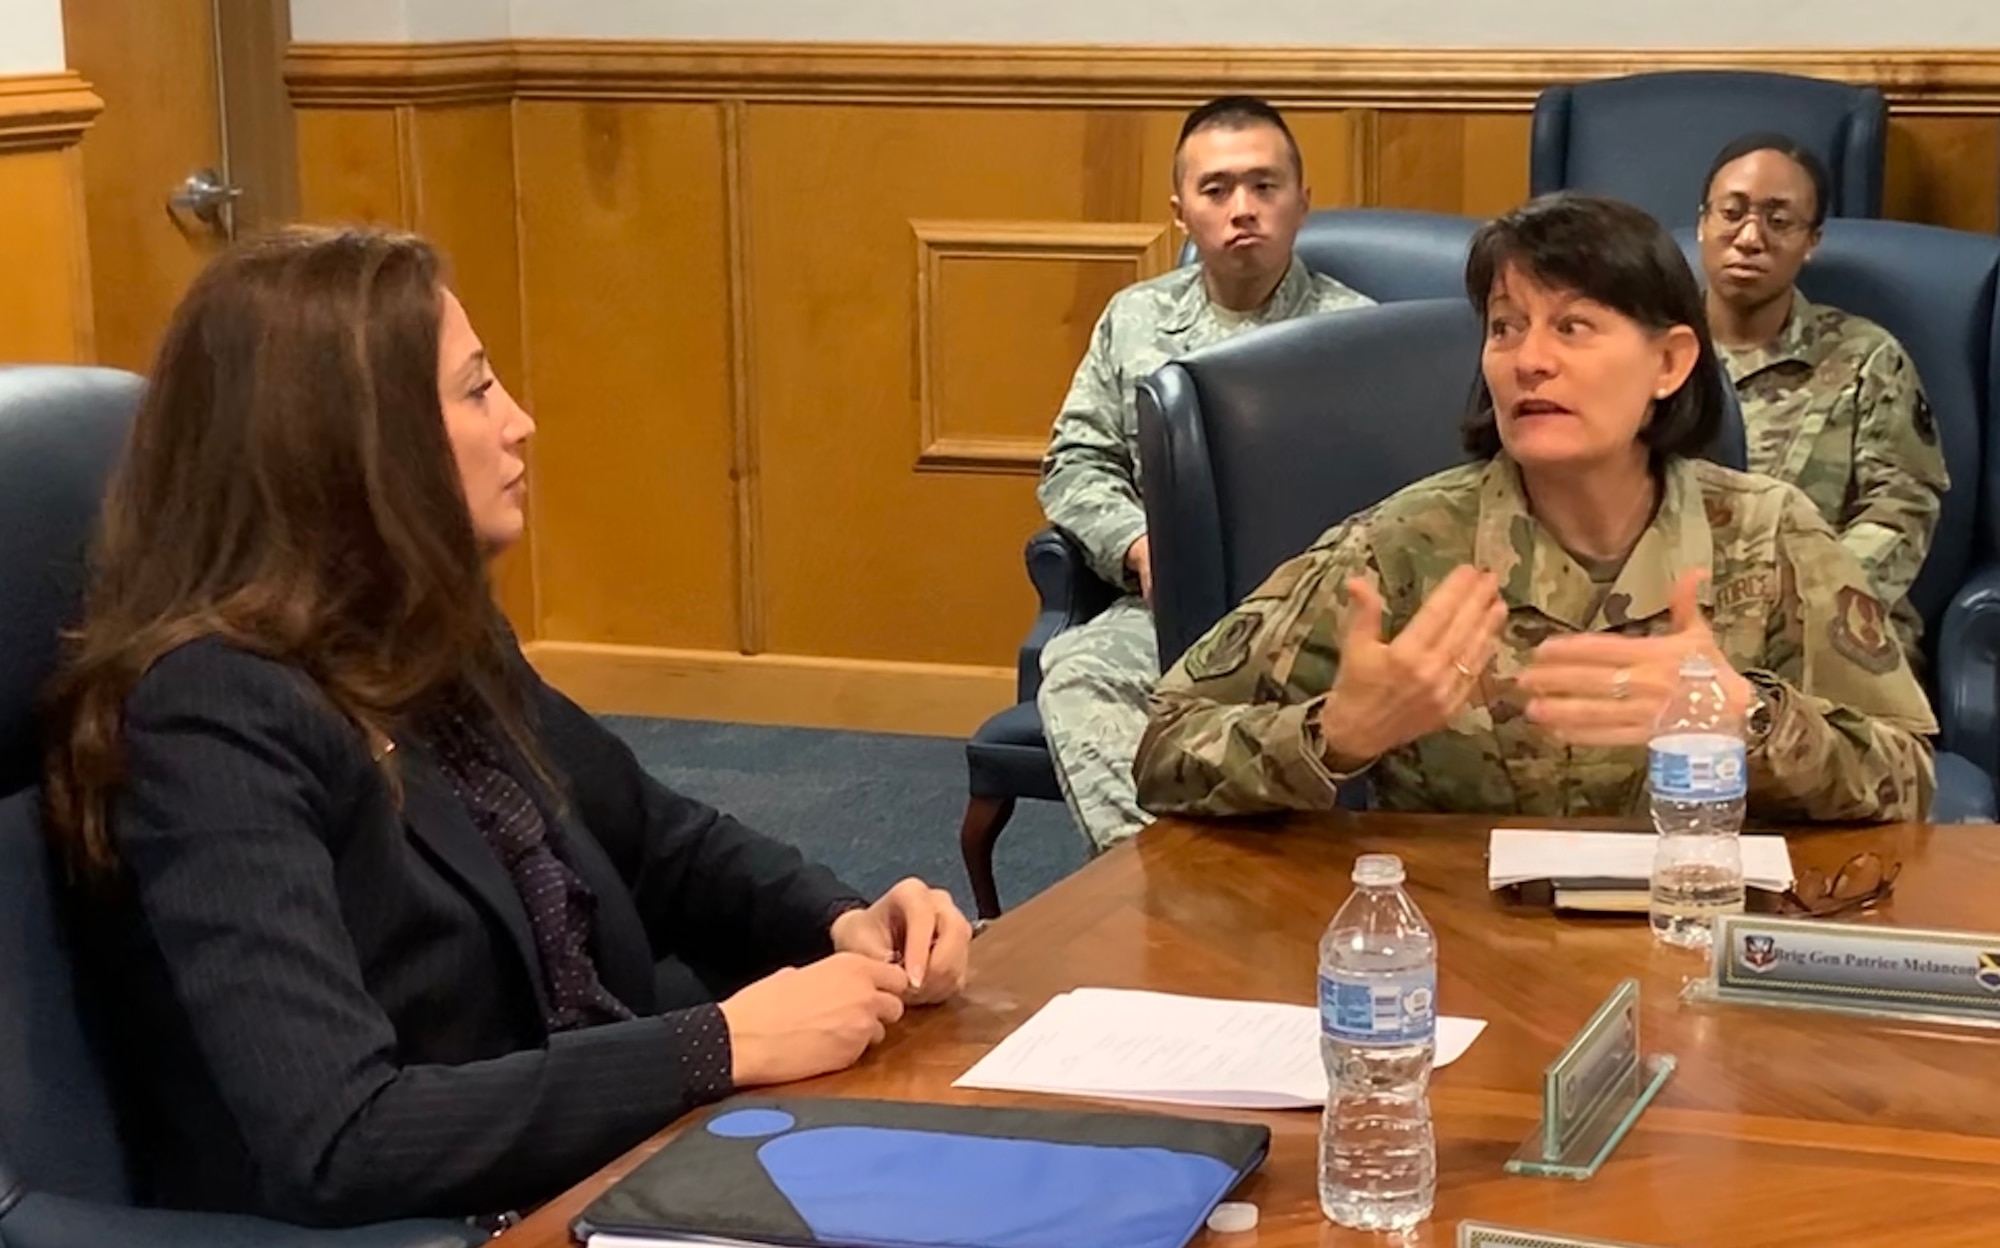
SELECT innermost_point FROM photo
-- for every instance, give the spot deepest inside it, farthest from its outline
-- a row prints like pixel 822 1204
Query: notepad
pixel 1127 1045
pixel 1522 855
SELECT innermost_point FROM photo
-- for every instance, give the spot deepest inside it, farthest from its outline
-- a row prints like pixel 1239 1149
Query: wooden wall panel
pixel 625 244
pixel 1941 169
pixel 351 165
pixel 45 315
pixel 1494 163
pixel 1003 313
pixel 1464 162
pixel 45 310
pixel 864 555
pixel 462 174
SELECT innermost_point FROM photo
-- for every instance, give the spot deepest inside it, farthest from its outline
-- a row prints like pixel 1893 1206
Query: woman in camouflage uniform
pixel 1831 401
pixel 1501 637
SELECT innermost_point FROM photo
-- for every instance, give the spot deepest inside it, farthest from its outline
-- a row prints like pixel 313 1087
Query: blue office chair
pixel 1648 138
pixel 1253 448
pixel 1008 757
pixel 1386 254
pixel 63 1169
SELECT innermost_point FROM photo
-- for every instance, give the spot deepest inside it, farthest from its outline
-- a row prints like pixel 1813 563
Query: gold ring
pixel 1621 683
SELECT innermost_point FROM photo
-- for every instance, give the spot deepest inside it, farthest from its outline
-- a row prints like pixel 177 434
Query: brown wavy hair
pixel 288 487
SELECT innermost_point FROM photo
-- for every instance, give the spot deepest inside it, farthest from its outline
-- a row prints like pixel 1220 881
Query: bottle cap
pixel 1378 869
pixel 1233 1217
pixel 1697 664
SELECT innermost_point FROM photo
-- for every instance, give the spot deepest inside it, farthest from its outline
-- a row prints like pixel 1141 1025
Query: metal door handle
pixel 208 199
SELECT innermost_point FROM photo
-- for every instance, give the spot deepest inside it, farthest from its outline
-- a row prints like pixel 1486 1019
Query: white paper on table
pixel 1517 855
pixel 1152 1046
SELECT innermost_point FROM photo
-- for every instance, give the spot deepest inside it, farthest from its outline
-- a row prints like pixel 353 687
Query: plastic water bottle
pixel 1378 1034
pixel 1698 776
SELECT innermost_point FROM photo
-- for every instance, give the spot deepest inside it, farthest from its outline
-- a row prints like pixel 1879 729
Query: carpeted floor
pixel 872 806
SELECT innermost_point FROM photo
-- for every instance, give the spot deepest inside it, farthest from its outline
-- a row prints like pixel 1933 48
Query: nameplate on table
pixel 1487 1235
pixel 1905 973
pixel 1593 1092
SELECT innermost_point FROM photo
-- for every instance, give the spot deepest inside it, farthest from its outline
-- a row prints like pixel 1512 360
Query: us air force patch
pixel 1860 631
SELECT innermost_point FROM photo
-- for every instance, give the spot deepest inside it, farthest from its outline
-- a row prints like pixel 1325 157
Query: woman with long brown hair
pixel 389 926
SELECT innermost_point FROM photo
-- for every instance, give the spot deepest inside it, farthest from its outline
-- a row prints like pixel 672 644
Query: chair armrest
pixel 41 1220
pixel 1968 675
pixel 1069 593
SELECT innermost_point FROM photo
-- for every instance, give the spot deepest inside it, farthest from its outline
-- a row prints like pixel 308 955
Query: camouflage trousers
pixel 1095 681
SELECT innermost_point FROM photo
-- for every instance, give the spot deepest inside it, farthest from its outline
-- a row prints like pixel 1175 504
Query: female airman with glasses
pixel 1831 401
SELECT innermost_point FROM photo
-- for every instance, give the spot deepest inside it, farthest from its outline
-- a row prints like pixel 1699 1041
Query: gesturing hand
pixel 1597 689
pixel 1391 693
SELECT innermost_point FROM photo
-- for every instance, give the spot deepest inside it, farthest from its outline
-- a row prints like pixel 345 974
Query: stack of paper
pixel 1519 855
pixel 1153 1046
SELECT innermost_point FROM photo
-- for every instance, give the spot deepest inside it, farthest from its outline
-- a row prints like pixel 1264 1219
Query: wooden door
pixel 190 87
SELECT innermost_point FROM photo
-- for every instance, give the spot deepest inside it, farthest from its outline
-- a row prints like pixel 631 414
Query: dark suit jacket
pixel 329 1008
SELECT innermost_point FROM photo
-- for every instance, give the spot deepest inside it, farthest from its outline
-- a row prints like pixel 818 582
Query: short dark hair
pixel 1617 255
pixel 1236 112
pixel 1785 145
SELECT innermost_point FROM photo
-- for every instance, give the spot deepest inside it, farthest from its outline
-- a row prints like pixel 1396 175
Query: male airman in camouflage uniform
pixel 1239 193
pixel 1834 406
pixel 1235 726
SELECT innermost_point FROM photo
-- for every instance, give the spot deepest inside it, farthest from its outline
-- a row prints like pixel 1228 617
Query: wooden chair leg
pixel 984 819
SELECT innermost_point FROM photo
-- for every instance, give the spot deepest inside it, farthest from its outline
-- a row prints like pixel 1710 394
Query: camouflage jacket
pixel 1790 608
pixel 1090 475
pixel 1834 406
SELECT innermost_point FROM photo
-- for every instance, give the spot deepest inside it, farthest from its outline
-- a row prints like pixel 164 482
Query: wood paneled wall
pixel 45 310
pixel 794 320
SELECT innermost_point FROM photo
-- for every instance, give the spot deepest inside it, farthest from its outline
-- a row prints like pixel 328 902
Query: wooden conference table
pixel 1780 1127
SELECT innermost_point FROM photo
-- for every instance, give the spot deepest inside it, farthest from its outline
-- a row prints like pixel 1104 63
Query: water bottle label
pixel 1375 1011
pixel 1698 767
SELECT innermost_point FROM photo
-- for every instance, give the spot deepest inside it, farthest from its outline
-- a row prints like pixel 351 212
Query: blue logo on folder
pixel 883 1185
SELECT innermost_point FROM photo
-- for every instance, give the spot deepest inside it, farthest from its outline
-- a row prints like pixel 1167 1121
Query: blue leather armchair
pixel 1253 448
pixel 1649 138
pixel 1008 757
pixel 1387 254
pixel 1934 289
pixel 63 1170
